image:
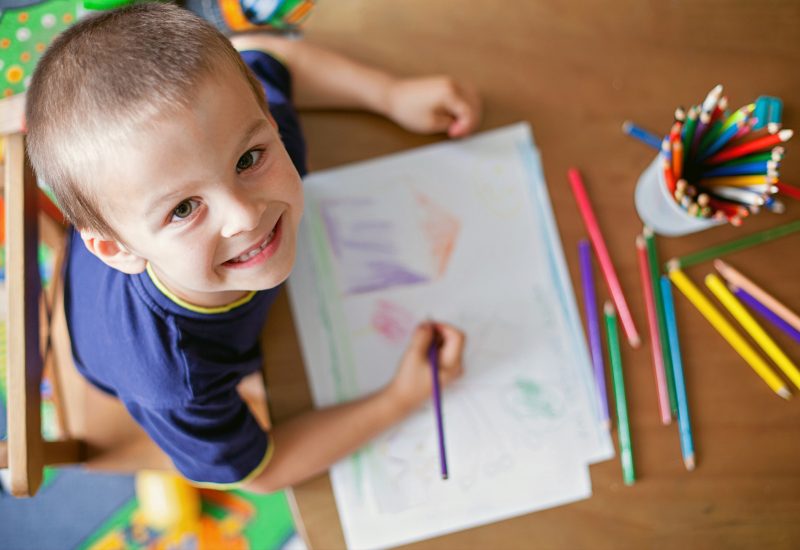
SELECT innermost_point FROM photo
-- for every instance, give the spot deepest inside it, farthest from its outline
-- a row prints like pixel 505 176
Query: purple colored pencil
pixel 765 312
pixel 433 357
pixel 592 321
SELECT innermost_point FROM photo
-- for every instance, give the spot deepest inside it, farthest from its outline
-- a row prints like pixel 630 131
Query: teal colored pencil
pixel 652 259
pixel 623 428
pixel 684 425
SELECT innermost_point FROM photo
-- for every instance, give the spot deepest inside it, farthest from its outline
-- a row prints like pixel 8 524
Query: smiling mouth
pixel 257 249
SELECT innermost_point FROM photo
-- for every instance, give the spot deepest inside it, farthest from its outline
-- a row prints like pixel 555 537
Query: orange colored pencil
pixel 603 258
pixel 677 159
pixel 751 146
pixel 652 323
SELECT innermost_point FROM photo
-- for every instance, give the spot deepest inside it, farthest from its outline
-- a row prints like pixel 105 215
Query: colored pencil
pixel 731 335
pixel 738 180
pixel 788 190
pixel 734 246
pixel 623 426
pixel 751 146
pixel 734 277
pixel 655 341
pixel 433 357
pixel 774 115
pixel 765 312
pixel 589 219
pixel 751 326
pixel 677 159
pixel 593 324
pixel 776 154
pixel 750 168
pixel 689 128
pixel 724 137
pixel 653 266
pixel 761 112
pixel 684 423
pixel 738 195
pixel 641 134
pixel 709 105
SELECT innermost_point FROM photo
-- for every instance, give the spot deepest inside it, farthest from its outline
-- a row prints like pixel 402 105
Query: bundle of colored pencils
pixel 723 165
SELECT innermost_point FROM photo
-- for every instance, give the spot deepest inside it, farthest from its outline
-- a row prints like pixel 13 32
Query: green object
pixel 105 4
pixel 24 34
pixel 711 135
pixel 734 246
pixel 652 255
pixel 758 157
pixel 623 427
pixel 688 134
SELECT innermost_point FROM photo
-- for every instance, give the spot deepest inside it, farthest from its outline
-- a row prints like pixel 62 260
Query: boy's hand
pixel 412 384
pixel 434 104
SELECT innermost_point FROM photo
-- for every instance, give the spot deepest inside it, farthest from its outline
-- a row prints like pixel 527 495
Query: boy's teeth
pixel 248 255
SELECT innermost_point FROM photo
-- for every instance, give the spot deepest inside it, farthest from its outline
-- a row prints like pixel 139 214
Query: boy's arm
pixel 310 443
pixel 324 79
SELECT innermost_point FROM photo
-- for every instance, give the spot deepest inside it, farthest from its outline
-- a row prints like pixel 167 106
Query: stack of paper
pixel 461 232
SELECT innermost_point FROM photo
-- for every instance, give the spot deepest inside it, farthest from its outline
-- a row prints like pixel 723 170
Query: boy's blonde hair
pixel 106 78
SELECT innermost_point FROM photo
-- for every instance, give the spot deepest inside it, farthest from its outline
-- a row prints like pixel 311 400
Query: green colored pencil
pixel 623 428
pixel 758 157
pixel 689 127
pixel 734 246
pixel 652 260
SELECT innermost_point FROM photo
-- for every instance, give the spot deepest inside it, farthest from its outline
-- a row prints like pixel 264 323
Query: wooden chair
pixel 96 430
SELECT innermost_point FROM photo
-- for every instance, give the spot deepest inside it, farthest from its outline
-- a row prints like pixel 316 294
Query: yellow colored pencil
pixel 707 309
pixel 747 321
pixel 739 181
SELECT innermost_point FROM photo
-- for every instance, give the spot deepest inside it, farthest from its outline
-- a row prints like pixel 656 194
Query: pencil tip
pixel 635 342
pixel 673 265
pixel 785 393
pixel 444 477
pixel 607 424
pixel 639 242
pixel 689 461
pixel 626 126
pixel 608 308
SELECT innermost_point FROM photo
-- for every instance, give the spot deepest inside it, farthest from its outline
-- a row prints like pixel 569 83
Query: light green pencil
pixel 623 428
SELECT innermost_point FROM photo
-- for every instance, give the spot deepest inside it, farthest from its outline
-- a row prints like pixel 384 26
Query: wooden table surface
pixel 575 71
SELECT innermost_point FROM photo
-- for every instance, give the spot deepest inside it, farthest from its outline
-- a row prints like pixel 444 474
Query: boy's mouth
pixel 259 249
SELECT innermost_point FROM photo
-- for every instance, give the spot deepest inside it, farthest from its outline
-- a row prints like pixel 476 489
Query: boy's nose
pixel 242 214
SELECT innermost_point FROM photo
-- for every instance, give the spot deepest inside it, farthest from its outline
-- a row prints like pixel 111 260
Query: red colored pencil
pixel 750 147
pixel 655 340
pixel 788 190
pixel 589 219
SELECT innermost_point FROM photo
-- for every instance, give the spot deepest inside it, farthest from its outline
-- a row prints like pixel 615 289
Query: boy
pixel 161 149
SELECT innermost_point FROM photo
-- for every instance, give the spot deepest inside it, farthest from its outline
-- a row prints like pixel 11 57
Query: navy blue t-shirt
pixel 174 366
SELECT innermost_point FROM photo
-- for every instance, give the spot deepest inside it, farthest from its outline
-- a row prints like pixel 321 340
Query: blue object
pixel 720 142
pixel 761 112
pixel 684 426
pixel 641 134
pixel 751 168
pixel 775 114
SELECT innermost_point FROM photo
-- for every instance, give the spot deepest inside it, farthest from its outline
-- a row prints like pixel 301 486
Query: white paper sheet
pixel 461 232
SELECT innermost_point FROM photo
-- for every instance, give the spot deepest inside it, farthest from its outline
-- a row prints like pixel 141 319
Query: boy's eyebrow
pixel 254 128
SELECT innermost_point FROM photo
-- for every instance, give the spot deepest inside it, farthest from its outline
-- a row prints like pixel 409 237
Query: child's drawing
pixel 392 321
pixel 375 252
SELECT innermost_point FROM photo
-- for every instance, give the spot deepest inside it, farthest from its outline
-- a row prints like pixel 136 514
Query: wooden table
pixel 575 71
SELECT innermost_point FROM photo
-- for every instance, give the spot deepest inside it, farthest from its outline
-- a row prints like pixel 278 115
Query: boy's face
pixel 209 196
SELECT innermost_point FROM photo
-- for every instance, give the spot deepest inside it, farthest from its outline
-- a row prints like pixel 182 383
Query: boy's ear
pixel 113 253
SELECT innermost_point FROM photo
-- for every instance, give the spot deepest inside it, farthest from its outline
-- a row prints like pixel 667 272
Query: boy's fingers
pixel 464 105
pixel 421 339
pixel 451 351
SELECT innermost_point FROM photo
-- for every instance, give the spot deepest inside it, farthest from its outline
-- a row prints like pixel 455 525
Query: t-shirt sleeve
pixel 218 442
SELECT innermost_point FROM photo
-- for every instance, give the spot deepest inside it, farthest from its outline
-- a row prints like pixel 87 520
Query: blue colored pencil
pixel 765 312
pixel 593 324
pixel 775 115
pixel 762 112
pixel 433 357
pixel 751 168
pixel 720 142
pixel 684 425
pixel 641 134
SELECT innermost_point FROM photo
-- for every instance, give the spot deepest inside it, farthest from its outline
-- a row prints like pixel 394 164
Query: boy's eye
pixel 248 160
pixel 184 209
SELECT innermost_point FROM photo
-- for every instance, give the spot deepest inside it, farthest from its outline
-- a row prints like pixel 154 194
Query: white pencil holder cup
pixel 658 210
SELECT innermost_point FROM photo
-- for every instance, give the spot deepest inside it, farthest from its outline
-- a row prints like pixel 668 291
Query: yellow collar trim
pixel 191 307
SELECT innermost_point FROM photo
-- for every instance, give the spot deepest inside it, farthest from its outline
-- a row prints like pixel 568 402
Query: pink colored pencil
pixel 603 257
pixel 652 322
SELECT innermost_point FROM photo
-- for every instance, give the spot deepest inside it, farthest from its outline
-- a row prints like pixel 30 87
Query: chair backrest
pixel 25 453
